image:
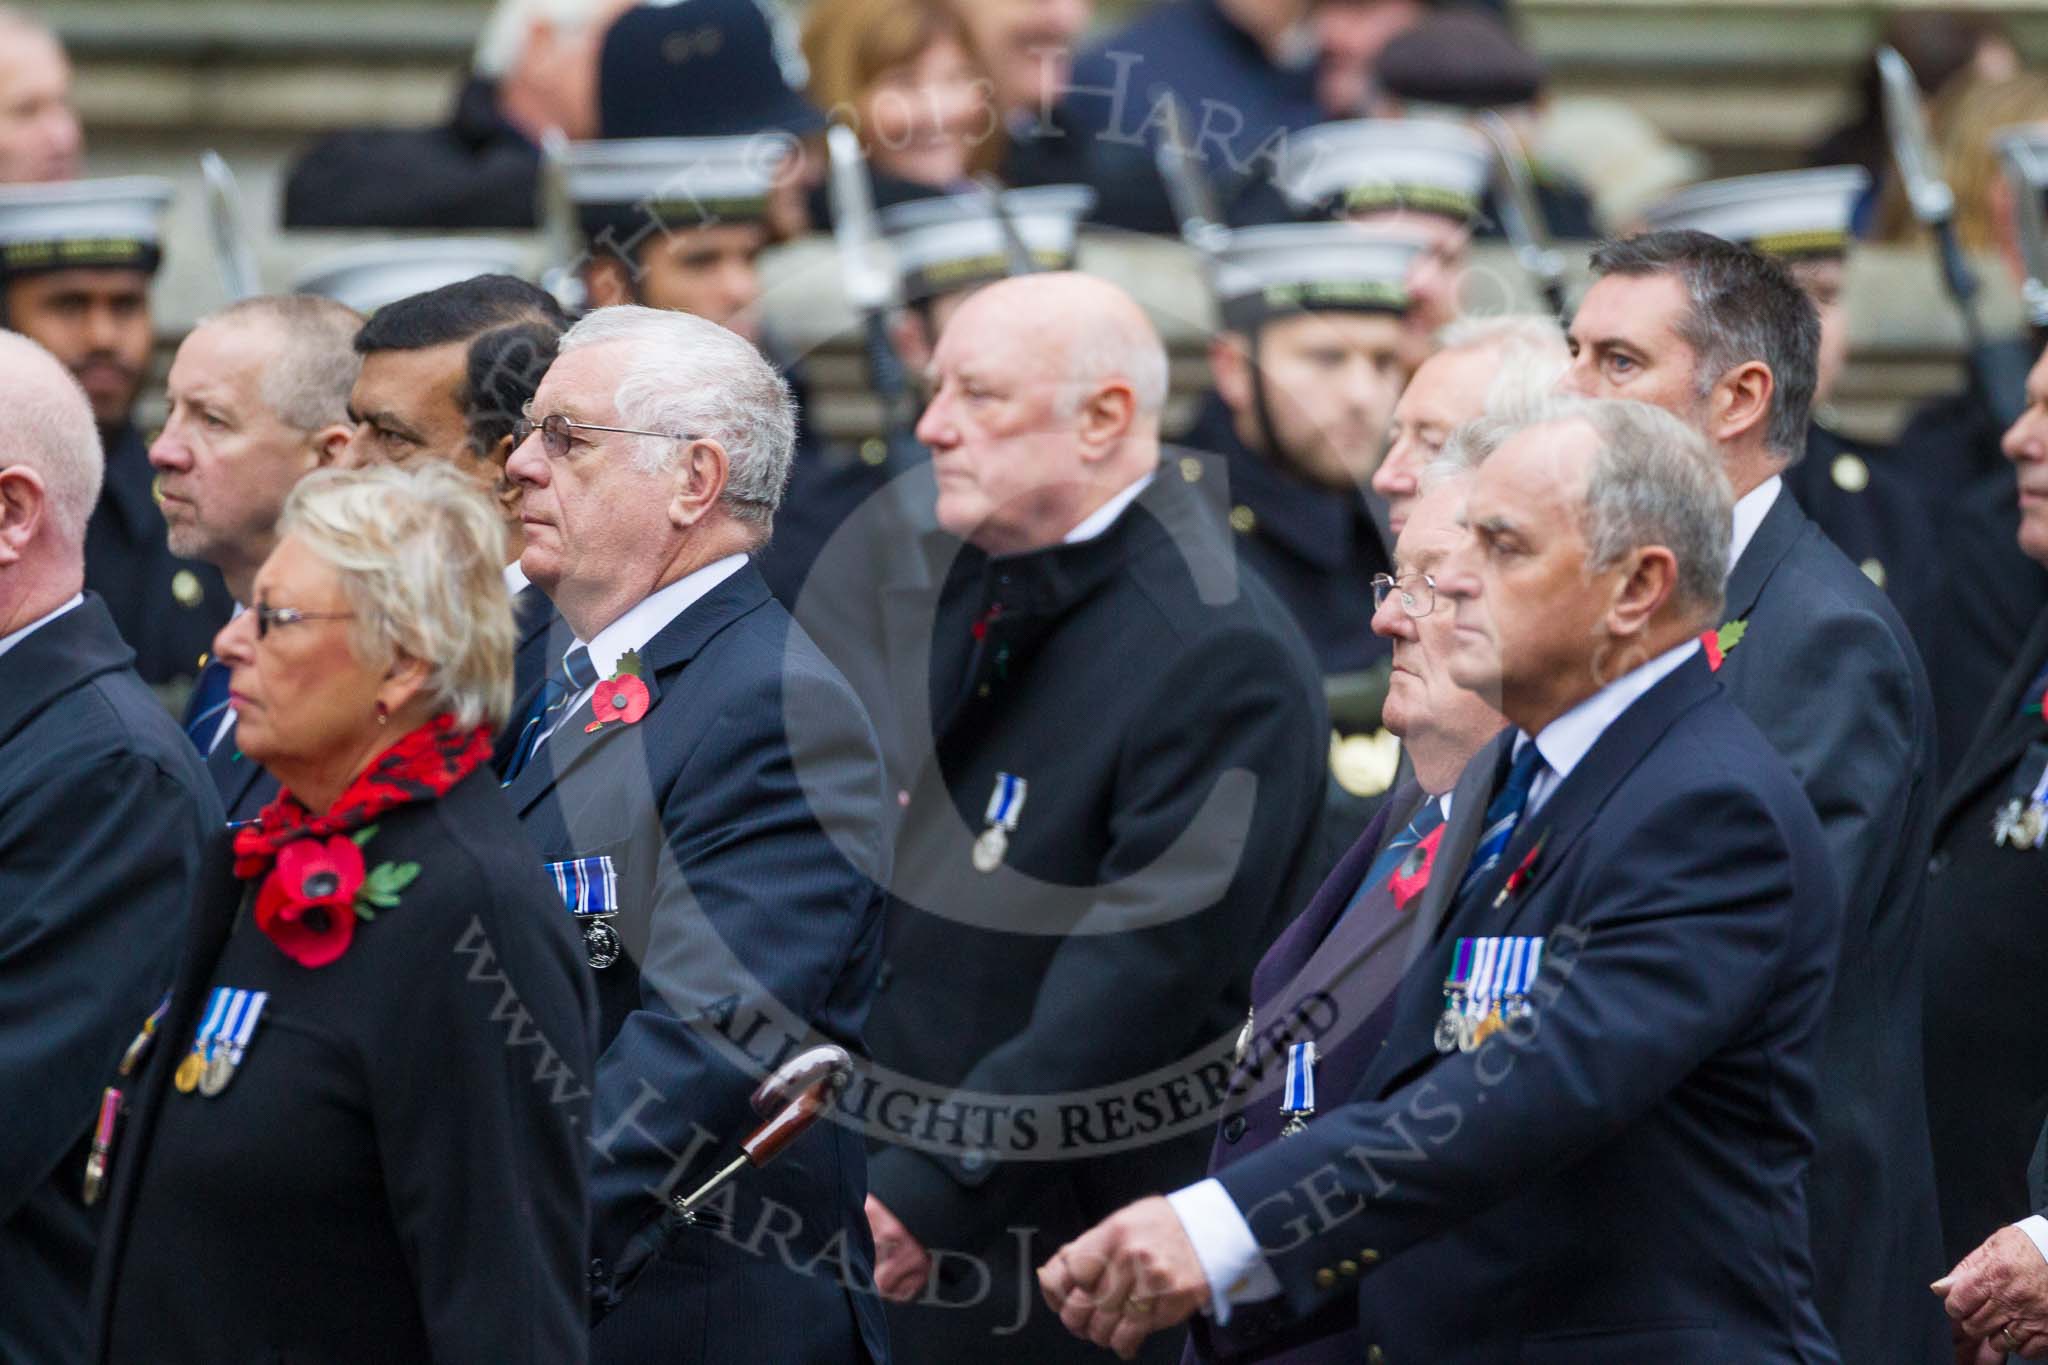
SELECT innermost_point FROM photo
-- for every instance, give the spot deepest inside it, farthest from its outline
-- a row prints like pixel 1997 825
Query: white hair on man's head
pixel 50 429
pixel 1532 351
pixel 1653 480
pixel 689 376
pixel 1114 346
pixel 499 46
pixel 310 371
pixel 420 551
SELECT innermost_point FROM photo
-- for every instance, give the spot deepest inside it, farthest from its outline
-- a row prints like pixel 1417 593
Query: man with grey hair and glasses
pixel 1586 1135
pixel 258 397
pixel 103 811
pixel 705 790
pixel 1724 338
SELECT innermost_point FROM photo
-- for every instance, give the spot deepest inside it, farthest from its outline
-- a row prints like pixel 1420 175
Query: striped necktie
pixel 1503 813
pixel 209 699
pixel 577 674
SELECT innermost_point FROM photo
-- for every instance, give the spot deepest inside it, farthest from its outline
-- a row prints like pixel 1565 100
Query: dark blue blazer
pixel 1829 673
pixel 1623 1180
pixel 743 816
pixel 103 808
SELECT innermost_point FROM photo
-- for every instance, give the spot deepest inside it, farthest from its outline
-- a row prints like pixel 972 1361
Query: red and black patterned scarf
pixel 421 766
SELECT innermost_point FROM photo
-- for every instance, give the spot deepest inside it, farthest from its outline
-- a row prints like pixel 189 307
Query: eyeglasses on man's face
pixel 557 432
pixel 1416 592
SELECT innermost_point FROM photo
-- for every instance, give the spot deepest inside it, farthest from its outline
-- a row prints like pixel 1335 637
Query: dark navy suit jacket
pixel 743 816
pixel 1829 673
pixel 103 808
pixel 1622 1180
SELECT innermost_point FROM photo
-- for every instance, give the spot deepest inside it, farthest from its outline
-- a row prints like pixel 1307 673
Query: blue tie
pixel 1503 813
pixel 209 698
pixel 1421 827
pixel 577 674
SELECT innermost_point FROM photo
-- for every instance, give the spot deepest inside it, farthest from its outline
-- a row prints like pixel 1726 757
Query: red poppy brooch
pixel 1717 643
pixel 319 888
pixel 621 699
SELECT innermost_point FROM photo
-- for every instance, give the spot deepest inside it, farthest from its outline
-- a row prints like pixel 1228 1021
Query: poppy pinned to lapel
pixel 621 699
pixel 1411 874
pixel 1519 878
pixel 1717 643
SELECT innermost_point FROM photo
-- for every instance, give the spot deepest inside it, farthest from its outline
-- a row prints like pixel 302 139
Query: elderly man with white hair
pixel 706 792
pixel 103 807
pixel 1109 749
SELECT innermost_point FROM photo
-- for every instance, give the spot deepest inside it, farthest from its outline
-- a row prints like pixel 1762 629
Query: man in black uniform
pixel 1307 370
pixel 103 809
pixel 1108 746
pixel 75 263
pixel 1987 1088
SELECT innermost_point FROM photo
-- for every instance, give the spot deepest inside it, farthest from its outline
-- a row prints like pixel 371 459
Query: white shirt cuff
pixel 1231 1260
pixel 2036 1229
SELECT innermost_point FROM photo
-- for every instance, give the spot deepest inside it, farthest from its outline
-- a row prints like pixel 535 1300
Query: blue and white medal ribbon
pixel 590 888
pixel 193 1066
pixel 1005 805
pixel 224 1051
pixel 1298 1097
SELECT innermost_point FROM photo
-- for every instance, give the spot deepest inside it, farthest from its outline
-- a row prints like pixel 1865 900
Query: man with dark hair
pixel 1724 337
pixel 445 375
pixel 76 261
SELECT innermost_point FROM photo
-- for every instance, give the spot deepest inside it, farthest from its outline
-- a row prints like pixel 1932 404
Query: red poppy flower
pixel 307 903
pixel 1710 640
pixel 1411 874
pixel 623 699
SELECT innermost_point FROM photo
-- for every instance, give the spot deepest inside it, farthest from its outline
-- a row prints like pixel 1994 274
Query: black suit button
pixel 1233 1128
pixel 597 1275
pixel 1938 864
pixel 883 976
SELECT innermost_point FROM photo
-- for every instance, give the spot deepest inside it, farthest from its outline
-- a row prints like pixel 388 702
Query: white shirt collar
pixel 1103 517
pixel 8 642
pixel 1568 739
pixel 647 618
pixel 1750 510
pixel 515 579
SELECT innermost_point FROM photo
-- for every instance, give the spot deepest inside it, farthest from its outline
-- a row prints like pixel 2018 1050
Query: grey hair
pixel 1111 347
pixel 51 430
pixel 420 551
pixel 1654 480
pixel 309 375
pixel 503 40
pixel 1532 355
pixel 690 376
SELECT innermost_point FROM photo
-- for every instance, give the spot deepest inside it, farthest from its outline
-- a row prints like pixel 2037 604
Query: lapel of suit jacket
pixel 57 657
pixel 2005 733
pixel 1299 941
pixel 672 647
pixel 1469 800
pixel 1565 817
pixel 232 772
pixel 1781 528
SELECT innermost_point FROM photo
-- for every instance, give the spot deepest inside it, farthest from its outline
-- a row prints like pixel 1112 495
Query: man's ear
pixel 326 445
pixel 1740 404
pixel 913 344
pixel 607 283
pixel 1106 417
pixel 700 483
pixel 23 500
pixel 1648 579
pixel 1230 366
